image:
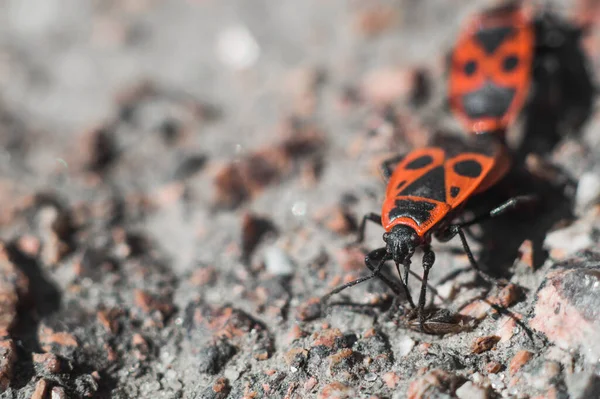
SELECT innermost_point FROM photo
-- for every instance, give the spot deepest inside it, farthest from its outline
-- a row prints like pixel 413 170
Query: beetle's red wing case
pixel 490 69
pixel 431 182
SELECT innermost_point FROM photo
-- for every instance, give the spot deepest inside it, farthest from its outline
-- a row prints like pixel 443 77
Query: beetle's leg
pixel 509 205
pixel 455 229
pixel 373 217
pixel 449 233
pixel 431 288
pixel 374 257
pixel 428 260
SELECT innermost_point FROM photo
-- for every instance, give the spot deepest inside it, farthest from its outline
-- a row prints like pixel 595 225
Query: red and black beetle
pixel 426 191
pixel 490 69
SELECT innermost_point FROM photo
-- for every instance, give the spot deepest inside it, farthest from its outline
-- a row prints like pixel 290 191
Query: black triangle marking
pixel 454 191
pixel 490 39
pixel 432 185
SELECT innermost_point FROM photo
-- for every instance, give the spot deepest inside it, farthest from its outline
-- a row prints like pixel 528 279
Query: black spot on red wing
pixel 510 63
pixel 419 211
pixel 490 39
pixel 468 168
pixel 431 185
pixel 399 186
pixel 489 101
pixel 470 67
pixel 419 163
pixel 454 191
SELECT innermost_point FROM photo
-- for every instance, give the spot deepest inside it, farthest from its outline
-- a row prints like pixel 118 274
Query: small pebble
pixel 299 209
pixel 310 384
pixel 232 374
pixel 433 384
pixel 336 390
pixel 493 367
pixel 471 391
pixel 40 389
pixel 588 191
pixel 58 393
pixel 566 308
pixel 277 262
pixel 391 379
pixel 237 48
pixel 526 253
pixel 405 345
pixel 172 380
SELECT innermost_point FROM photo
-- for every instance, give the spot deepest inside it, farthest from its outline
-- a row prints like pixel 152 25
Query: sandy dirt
pixel 180 181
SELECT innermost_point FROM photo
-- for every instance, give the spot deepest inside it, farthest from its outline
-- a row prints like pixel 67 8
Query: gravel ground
pixel 180 181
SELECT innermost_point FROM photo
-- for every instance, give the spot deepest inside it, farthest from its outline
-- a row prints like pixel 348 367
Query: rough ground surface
pixel 179 180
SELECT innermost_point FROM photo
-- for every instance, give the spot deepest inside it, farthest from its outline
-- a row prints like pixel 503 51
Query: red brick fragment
pixel 519 360
pixel 49 361
pixel 8 357
pixel 41 388
pixel 484 344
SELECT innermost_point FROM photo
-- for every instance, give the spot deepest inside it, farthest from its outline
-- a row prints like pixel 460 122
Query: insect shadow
pixel 45 297
pixel 501 238
pixel 562 92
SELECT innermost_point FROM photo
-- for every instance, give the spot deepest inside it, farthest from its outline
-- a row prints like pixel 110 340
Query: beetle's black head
pixel 401 242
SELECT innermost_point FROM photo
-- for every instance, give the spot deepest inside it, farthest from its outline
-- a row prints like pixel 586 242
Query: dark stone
pixel 374 345
pixel 191 165
pixel 214 357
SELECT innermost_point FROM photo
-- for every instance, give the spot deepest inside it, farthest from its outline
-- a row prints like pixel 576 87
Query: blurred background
pixel 103 98
pixel 175 174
